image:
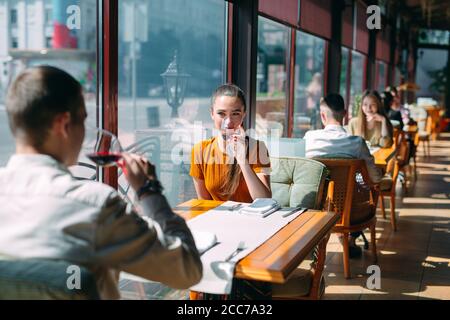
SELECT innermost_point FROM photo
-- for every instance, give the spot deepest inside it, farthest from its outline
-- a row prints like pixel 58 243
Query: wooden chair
pixel 403 156
pixel 397 164
pixel 353 193
pixel 299 181
pixel 390 192
pixel 317 287
pixel 424 136
pixel 434 113
pixel 414 136
pixel 395 136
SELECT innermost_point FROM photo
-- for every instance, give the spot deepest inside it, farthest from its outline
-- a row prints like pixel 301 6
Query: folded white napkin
pixel 261 207
pixel 204 240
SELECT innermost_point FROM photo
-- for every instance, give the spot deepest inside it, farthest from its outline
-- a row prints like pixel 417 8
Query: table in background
pixel 383 155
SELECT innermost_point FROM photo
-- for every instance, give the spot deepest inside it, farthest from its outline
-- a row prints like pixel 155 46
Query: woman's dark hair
pixel 391 89
pixel 388 99
pixel 38 95
pixel 233 174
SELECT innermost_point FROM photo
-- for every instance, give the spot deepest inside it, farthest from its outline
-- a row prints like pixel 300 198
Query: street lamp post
pixel 175 82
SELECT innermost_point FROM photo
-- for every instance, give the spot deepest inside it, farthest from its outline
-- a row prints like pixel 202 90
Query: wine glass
pixel 228 133
pixel 102 148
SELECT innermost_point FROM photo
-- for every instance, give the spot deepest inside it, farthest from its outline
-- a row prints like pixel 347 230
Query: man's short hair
pixel 36 97
pixel 336 104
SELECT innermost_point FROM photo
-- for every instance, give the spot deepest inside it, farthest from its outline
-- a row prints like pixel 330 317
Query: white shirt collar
pixel 334 127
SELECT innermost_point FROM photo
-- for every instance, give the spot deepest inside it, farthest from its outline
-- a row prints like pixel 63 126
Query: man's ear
pixel 323 116
pixel 61 124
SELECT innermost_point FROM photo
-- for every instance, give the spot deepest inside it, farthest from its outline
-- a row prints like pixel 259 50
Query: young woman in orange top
pixel 236 168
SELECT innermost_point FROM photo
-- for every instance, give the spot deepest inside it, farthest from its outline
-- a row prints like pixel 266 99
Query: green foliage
pixel 356 105
pixel 439 84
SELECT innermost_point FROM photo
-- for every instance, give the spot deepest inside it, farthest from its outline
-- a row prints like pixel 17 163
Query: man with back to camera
pixel 46 213
pixel 334 140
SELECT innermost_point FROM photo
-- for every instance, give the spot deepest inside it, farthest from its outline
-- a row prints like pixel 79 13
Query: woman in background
pixel 397 106
pixel 395 115
pixel 232 167
pixel 372 123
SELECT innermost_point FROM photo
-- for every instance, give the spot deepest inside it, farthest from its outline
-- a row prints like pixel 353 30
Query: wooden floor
pixel 414 261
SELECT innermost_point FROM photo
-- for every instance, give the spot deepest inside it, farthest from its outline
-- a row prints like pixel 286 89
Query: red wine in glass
pixel 103 148
pixel 105 159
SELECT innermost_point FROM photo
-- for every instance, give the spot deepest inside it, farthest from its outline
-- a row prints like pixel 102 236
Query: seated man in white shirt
pixel 46 213
pixel 334 140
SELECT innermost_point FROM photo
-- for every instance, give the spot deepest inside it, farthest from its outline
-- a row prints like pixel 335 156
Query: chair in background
pixel 395 136
pixel 388 190
pixel 425 135
pixel 434 112
pixel 413 133
pixel 355 199
pixel 397 164
pixel 36 279
pixel 403 156
pixel 301 182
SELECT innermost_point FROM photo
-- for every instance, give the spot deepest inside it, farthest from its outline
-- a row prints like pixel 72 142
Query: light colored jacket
pixel 334 140
pixel 46 213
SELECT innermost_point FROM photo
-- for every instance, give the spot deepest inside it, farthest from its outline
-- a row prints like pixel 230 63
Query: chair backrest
pixel 352 185
pixel 429 125
pixel 396 135
pixel 403 150
pixel 36 279
pixel 298 182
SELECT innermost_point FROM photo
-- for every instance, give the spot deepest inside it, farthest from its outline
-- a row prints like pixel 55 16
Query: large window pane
pixel 344 74
pixel 271 104
pixel 381 76
pixel 194 32
pixel 309 75
pixel 42 32
pixel 432 73
pixel 356 81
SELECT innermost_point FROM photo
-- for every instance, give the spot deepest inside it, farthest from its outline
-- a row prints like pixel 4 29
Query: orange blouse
pixel 210 164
